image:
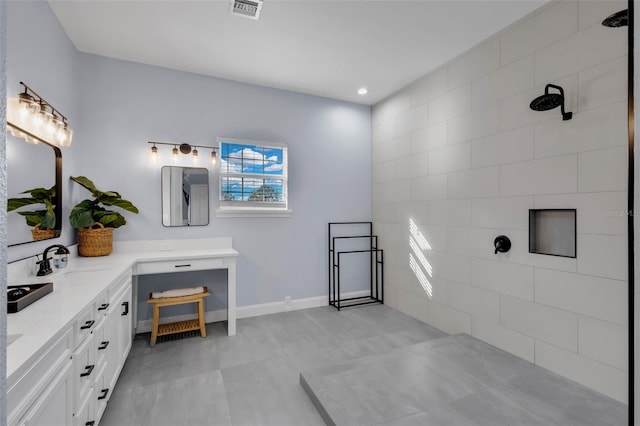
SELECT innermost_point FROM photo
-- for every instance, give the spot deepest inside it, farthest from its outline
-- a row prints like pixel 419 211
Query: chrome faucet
pixel 45 266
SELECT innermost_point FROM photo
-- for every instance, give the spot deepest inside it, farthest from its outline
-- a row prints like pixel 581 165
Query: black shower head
pixel 550 101
pixel 617 20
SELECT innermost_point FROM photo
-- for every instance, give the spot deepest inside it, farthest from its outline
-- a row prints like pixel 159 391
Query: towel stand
pixel 179 326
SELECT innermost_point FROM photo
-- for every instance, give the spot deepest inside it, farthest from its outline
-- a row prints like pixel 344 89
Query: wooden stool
pixel 180 326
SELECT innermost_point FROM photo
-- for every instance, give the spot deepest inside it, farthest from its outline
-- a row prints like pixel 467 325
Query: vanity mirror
pixel 32 166
pixel 185 196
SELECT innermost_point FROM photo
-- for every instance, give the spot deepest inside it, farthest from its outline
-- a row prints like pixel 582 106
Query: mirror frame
pixel 58 183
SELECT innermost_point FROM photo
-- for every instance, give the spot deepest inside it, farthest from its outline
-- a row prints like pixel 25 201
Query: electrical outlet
pixel 165 246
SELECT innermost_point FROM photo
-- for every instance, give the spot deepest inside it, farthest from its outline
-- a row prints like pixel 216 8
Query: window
pixel 253 177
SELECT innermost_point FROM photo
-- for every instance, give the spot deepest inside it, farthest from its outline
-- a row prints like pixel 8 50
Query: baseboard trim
pixel 145 326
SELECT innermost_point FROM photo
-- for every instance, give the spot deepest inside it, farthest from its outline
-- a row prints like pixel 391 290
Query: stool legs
pixel 203 330
pixel 156 321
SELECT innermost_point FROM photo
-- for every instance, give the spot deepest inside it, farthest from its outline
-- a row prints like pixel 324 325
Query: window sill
pixel 252 212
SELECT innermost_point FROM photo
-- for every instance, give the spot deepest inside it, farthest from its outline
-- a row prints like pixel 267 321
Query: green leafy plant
pixel 46 217
pixel 89 212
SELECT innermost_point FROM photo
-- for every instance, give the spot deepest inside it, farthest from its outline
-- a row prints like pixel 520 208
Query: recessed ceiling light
pixel 363 91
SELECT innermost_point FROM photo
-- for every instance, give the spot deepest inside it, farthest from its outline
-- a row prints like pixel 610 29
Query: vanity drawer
pixel 167 266
pixel 26 389
pixel 85 369
pixel 85 323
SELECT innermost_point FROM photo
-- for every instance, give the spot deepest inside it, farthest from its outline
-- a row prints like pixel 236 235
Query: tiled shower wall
pixel 459 158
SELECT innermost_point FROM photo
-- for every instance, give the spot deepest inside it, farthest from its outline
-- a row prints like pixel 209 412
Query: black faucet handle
pixel 502 244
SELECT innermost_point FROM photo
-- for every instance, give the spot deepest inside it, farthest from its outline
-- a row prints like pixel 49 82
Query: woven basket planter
pixel 42 234
pixel 93 242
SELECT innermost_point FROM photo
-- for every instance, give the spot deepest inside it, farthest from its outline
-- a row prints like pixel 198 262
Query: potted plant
pixel 94 222
pixel 43 220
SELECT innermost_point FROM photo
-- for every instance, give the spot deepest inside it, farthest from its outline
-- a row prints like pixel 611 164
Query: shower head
pixel 550 101
pixel 617 20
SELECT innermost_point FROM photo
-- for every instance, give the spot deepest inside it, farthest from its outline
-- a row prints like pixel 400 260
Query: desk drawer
pixel 167 266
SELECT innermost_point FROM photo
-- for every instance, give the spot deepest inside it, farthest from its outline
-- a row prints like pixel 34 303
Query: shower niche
pixel 552 232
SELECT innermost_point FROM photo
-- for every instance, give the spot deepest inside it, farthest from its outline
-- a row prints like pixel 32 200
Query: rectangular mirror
pixel 185 196
pixel 31 166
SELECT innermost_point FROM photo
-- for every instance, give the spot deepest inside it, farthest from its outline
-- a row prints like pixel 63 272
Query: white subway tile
pixel 430 87
pixel 596 213
pixel 449 212
pixel 603 85
pixel 411 120
pixel 429 188
pixel 602 255
pixel 383 172
pixel 514 78
pixel 440 290
pixel 450 158
pixel 449 105
pixel 601 377
pixel 398 190
pixel 503 213
pixel 418 164
pixel 503 277
pixel 414 210
pixel 539 30
pixel 477 302
pixel 603 170
pixel 436 237
pixel 474 183
pixel 448 319
pixel 384 131
pixel 477 242
pixel 598 128
pixel 593 296
pixel 453 267
pixel 384 212
pixel 412 305
pixel 541 322
pixel 430 138
pixel 503 148
pixel 474 124
pixel 480 60
pixel 503 338
pixel 604 342
pixel 556 175
pixel 585 49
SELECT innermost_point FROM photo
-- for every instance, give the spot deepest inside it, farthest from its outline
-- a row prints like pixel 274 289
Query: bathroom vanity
pixel 65 352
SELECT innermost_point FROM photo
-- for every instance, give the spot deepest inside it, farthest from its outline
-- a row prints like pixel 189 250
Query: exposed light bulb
pixel 175 154
pixel 154 154
pixel 214 157
pixel 195 155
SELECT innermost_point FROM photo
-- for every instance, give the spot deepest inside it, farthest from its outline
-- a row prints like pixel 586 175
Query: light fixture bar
pixel 43 101
pixel 184 148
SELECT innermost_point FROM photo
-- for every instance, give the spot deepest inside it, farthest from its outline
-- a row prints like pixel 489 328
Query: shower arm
pixel 561 90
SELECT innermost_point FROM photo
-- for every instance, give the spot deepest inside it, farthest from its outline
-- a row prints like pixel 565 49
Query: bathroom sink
pixel 12 338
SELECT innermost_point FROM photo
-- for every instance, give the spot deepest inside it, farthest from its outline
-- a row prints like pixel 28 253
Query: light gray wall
pixel 461 154
pixel 125 104
pixel 3 216
pixel 42 56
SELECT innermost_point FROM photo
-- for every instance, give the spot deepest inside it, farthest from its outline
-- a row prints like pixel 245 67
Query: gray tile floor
pixel 253 378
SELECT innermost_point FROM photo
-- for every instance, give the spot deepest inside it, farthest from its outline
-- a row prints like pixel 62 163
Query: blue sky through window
pixel 252 173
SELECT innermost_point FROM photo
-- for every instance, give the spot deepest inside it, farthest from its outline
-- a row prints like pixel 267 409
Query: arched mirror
pixel 185 196
pixel 35 168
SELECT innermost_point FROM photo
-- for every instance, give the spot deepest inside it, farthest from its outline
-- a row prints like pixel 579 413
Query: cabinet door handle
pixel 91 423
pixel 126 308
pixel 103 306
pixel 186 265
pixel 103 345
pixel 87 324
pixel 103 393
pixel 87 370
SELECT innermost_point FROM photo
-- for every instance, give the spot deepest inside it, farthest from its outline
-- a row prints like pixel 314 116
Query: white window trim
pixel 255 211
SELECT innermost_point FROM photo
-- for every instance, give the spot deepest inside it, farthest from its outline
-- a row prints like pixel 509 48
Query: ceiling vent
pixel 247 8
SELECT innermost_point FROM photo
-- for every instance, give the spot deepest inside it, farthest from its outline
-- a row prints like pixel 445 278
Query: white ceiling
pixel 319 47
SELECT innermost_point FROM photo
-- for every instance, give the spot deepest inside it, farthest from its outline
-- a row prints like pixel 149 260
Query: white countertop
pixel 75 287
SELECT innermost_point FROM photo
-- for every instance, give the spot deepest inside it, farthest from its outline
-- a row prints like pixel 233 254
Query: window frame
pixel 227 208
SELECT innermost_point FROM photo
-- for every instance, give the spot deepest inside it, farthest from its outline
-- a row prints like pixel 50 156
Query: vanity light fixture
pixel 184 148
pixel 31 117
pixel 154 154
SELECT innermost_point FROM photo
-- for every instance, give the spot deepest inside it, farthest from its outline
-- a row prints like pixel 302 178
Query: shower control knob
pixel 502 244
